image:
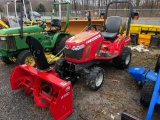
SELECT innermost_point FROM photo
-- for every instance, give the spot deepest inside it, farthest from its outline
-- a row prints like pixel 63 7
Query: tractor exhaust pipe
pixel 88 14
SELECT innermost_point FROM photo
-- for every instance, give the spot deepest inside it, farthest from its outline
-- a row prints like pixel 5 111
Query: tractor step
pixel 47 88
pixel 108 55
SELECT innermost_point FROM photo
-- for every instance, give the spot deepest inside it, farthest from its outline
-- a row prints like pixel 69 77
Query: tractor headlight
pixel 3 38
pixel 78 47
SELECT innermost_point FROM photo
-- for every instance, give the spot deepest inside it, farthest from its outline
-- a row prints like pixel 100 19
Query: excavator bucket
pixel 45 85
pixel 47 88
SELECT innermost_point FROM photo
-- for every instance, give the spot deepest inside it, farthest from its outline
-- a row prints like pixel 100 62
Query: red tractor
pixel 84 51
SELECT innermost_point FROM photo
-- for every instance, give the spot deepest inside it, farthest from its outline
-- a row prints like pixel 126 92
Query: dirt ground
pixel 119 92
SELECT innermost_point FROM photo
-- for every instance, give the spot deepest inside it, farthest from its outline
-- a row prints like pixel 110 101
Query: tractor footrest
pixel 107 54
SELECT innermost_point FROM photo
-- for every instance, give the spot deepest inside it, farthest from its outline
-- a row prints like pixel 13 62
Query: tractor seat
pixel 56 25
pixel 112 27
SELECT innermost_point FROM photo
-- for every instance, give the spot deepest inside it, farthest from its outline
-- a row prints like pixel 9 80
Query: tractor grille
pixel 74 54
pixel 7 44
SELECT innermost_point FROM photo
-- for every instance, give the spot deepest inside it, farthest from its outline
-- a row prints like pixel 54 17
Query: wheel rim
pixel 30 61
pixel 127 59
pixel 99 79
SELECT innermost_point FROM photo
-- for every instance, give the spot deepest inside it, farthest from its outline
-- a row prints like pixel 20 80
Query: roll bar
pixel 130 14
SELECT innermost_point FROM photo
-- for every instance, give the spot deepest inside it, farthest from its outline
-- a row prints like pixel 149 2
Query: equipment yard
pixel 69 67
pixel 119 92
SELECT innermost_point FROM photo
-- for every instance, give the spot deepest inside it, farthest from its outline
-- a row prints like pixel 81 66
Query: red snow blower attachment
pixel 45 85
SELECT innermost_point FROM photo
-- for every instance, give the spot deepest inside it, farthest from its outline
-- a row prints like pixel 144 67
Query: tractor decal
pixel 93 39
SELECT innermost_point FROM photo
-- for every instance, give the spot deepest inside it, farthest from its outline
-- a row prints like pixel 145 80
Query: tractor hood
pixel 16 30
pixel 86 36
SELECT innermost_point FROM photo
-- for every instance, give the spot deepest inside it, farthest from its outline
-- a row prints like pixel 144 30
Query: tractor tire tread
pixel 119 61
pixel 146 93
pixel 94 71
pixel 21 57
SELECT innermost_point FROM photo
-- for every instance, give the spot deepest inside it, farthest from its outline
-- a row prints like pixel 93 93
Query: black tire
pixel 60 43
pixel 157 67
pixel 58 65
pixel 6 60
pixel 146 93
pixel 21 59
pixel 95 74
pixel 124 59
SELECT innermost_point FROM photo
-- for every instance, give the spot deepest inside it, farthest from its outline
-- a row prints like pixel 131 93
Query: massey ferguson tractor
pixel 84 51
pixel 51 87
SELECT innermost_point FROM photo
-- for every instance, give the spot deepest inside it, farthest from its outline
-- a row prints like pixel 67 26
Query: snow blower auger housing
pixel 84 51
pixel 45 85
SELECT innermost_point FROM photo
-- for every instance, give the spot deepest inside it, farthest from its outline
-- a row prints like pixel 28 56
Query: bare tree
pixel 75 7
pixel 137 3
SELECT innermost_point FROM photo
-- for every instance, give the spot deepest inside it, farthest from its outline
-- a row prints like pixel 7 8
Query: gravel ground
pixel 118 93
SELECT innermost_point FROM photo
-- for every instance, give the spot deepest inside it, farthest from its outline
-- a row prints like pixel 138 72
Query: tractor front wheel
pixel 6 60
pixel 124 59
pixel 146 93
pixel 95 78
pixel 25 57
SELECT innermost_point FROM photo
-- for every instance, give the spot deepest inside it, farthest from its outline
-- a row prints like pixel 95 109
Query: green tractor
pixel 13 47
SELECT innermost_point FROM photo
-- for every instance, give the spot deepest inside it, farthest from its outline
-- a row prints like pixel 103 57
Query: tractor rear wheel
pixel 124 59
pixel 95 78
pixel 146 93
pixel 60 43
pixel 25 57
pixel 157 67
pixel 6 60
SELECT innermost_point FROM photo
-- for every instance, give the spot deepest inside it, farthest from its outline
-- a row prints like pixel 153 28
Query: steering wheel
pixel 95 27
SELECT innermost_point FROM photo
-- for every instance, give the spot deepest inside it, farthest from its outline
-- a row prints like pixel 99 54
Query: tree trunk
pixel 137 3
pixel 75 7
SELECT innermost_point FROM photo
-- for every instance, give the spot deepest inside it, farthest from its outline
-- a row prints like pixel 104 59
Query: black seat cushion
pixel 112 27
pixel 108 35
pixel 56 23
